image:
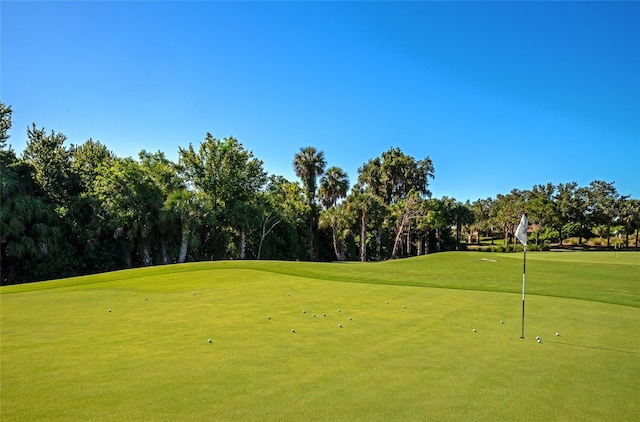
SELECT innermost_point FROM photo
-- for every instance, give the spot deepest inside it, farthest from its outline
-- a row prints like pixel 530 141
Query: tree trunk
pixel 378 243
pixel 580 235
pixel 420 244
pixel 608 235
pixel 409 240
pixel 243 244
pixel 363 237
pixel 626 240
pixel 426 249
pixel 335 243
pixel 183 246
pixel 311 238
pixel 165 253
pixel 146 256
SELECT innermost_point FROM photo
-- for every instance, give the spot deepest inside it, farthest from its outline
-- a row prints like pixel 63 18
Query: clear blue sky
pixel 500 95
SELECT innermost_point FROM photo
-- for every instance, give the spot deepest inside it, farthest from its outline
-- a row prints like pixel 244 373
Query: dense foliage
pixel 77 209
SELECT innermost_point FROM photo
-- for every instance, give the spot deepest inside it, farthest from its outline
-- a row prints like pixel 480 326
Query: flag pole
pixel 524 277
pixel 521 235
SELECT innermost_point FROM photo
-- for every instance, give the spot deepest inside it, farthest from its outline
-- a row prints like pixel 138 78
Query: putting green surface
pixel 133 345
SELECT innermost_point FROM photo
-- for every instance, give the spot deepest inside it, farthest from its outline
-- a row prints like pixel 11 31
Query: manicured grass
pixel 64 356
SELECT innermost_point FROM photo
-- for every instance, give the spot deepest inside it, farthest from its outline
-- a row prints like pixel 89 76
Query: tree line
pixel 78 209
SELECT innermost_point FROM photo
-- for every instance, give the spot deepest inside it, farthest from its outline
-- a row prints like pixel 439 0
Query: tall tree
pixel 29 227
pixel 462 216
pixel 5 124
pixel 605 204
pixel 336 219
pixel 541 208
pixel 308 164
pixel 333 186
pixel 404 212
pixel 51 161
pixel 361 206
pixel 228 175
pixel 563 199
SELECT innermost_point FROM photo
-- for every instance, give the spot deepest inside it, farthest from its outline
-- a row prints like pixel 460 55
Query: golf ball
pixel 109 310
pixel 324 314
pixel 537 337
pixel 314 315
pixel 539 341
pixel 304 311
pixel 210 341
pixel 340 325
pixel 349 318
pixel 293 331
pixel 269 317
pixel 404 307
pixel 474 330
pixel 387 302
pixel 501 322
pixel 558 334
pixel 338 310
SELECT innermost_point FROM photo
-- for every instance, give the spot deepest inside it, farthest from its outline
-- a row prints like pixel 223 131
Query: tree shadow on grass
pixel 592 347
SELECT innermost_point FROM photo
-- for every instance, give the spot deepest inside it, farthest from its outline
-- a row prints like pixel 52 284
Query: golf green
pixel 134 345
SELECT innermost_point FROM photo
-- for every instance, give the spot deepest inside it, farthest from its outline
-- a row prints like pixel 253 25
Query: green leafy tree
pixel 363 205
pixel 227 175
pixel 5 124
pixel 540 207
pixel 130 207
pixel 564 207
pixel 336 219
pixel 404 212
pixel 481 209
pixel 605 204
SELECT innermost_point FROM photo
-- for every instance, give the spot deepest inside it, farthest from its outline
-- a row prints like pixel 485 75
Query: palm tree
pixel 28 224
pixel 333 186
pixel 336 218
pixel 362 205
pixel 308 164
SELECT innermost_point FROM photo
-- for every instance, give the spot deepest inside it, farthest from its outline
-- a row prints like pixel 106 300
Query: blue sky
pixel 500 95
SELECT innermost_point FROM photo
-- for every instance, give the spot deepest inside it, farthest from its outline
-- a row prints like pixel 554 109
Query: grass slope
pixel 64 356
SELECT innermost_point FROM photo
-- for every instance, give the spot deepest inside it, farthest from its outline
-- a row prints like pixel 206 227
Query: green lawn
pixel 64 356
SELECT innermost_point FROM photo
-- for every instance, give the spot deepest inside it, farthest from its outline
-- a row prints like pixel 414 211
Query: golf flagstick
pixel 521 235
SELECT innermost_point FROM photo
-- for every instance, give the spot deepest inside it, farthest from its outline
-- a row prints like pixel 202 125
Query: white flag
pixel 521 231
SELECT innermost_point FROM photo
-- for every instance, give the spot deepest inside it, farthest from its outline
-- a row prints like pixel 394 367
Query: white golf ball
pixel 109 310
pixel 324 314
pixel 340 325
pixel 269 317
pixel 557 334
pixel 349 318
pixel 314 315
pixel 293 331
pixel 501 322
pixel 539 341
pixel 537 337
pixel 404 307
pixel 387 302
pixel 474 330
pixel 339 310
pixel 210 341
pixel 304 311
